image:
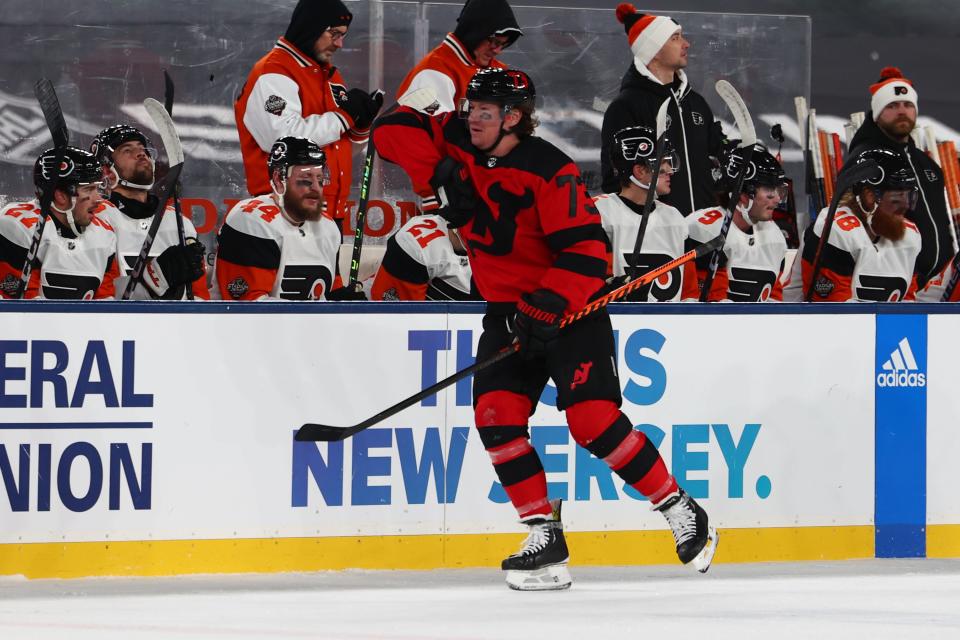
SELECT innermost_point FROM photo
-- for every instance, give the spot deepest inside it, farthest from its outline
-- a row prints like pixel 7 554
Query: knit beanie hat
pixel 891 87
pixel 311 18
pixel 646 33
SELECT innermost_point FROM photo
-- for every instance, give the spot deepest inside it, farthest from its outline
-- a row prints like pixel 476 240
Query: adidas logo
pixel 900 369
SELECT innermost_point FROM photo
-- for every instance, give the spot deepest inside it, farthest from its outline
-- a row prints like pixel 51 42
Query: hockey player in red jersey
pixel 872 249
pixel 665 235
pixel 75 258
pixel 425 260
pixel 485 28
pixel 127 158
pixel 280 246
pixel 538 252
pixel 754 251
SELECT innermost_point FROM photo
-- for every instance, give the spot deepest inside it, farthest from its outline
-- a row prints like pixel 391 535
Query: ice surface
pixel 874 599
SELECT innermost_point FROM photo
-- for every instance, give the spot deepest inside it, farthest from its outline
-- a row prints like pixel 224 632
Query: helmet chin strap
pixel 634 180
pixel 278 197
pixel 131 185
pixel 870 213
pixel 500 135
pixel 71 221
pixel 745 212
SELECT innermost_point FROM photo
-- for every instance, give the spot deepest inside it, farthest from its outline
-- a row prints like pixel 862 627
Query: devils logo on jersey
pixel 305 282
pixel 881 288
pixel 502 228
pixel 665 288
pixel 750 285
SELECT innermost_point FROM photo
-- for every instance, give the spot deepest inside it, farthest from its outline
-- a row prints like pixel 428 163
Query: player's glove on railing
pixel 362 107
pixel 457 196
pixel 176 266
pixel 537 322
pixel 345 293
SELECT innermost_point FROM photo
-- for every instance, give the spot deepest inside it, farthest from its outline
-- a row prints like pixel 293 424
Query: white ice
pixel 875 599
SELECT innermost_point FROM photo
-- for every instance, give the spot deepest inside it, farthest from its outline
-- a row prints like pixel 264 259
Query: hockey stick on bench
pixel 312 432
pixel 748 139
pixel 652 189
pixel 53 114
pixel 845 179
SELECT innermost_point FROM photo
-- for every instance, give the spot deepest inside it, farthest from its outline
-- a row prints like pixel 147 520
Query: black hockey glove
pixel 537 322
pixel 362 107
pixel 345 293
pixel 177 265
pixel 458 198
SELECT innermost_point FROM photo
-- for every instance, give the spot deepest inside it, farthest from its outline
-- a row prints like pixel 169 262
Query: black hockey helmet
pixel 763 171
pixel 112 137
pixel 292 151
pixel 77 168
pixel 506 87
pixel 895 173
pixel 637 145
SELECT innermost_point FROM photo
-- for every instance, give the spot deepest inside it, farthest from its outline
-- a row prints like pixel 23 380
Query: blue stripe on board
pixel 900 414
pixel 44 426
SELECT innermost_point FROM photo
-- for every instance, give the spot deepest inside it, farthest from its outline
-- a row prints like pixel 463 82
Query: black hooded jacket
pixel 480 19
pixel 694 134
pixel 311 18
pixel 930 215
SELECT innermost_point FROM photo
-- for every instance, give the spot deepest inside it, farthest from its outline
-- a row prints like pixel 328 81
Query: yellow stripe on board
pixel 171 557
pixel 943 541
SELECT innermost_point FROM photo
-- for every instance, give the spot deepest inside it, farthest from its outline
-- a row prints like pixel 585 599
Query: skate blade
pixel 703 559
pixel 552 578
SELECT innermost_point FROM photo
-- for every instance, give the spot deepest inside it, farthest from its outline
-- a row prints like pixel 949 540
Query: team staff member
pixel 655 74
pixel 484 29
pixel 892 116
pixel 754 251
pixel 538 251
pixel 75 258
pixel 295 90
pixel 872 251
pixel 278 246
pixel 665 236
pixel 127 159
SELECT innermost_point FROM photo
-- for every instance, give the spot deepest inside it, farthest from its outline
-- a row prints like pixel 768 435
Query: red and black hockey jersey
pixel 262 255
pixel 751 263
pixel 664 240
pixel 420 263
pixel 536 226
pixel 67 267
pixel 855 268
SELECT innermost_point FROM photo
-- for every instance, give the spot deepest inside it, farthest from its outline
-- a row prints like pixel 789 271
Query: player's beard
pixel 141 174
pixel 889 225
pixel 899 128
pixel 300 212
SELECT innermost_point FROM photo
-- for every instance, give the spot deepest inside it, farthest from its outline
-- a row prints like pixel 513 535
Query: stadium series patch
pixel 275 105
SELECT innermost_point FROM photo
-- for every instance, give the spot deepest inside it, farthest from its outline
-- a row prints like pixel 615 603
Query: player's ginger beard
pixel 889 225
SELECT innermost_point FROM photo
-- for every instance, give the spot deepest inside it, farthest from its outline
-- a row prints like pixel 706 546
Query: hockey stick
pixel 748 139
pixel 652 189
pixel 313 432
pixel 53 114
pixel 163 122
pixel 419 99
pixel 162 190
pixel 845 179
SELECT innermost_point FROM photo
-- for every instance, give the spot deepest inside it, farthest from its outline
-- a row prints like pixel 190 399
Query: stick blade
pixel 312 432
pixel 741 114
pixel 168 133
pixel 50 105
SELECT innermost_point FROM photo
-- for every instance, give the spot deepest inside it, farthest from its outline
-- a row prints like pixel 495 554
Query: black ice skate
pixel 541 563
pixel 696 538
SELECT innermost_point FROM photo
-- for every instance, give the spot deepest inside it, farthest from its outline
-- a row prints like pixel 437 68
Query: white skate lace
pixel 682 520
pixel 536 540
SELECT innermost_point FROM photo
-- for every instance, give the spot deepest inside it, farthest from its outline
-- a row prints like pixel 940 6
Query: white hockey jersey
pixel 131 232
pixel 421 264
pixel 663 240
pixel 262 255
pixel 855 268
pixel 751 263
pixel 66 267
